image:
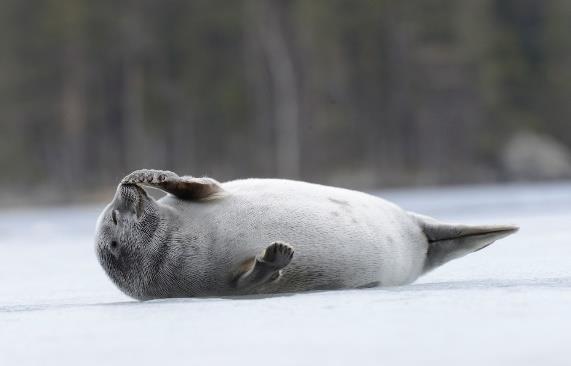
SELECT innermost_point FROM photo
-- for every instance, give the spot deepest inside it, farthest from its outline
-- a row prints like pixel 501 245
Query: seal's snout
pixel 128 194
pixel 129 198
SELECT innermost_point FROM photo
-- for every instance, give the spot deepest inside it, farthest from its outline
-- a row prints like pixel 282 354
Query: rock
pixel 532 156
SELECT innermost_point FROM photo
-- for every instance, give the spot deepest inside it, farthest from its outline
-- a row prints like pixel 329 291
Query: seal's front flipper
pixel 187 188
pixel 448 241
pixel 265 267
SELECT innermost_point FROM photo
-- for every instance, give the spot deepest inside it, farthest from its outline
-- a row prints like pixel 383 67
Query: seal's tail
pixel 450 241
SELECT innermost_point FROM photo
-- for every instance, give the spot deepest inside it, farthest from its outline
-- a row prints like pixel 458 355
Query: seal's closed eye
pixel 114 244
pixel 114 216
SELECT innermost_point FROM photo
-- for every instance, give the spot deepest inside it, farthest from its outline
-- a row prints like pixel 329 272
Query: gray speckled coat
pixel 176 247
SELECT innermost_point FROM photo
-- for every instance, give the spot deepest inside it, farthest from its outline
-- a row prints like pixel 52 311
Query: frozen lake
pixel 509 304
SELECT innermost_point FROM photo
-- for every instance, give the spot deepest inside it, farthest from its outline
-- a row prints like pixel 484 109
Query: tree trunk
pixel 279 58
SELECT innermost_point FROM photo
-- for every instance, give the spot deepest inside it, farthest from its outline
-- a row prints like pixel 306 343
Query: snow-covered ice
pixel 509 304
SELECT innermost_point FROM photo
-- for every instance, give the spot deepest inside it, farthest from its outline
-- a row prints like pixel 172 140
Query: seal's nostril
pixel 114 244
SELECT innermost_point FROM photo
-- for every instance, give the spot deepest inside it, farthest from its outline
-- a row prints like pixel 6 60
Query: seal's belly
pixel 349 250
pixel 341 240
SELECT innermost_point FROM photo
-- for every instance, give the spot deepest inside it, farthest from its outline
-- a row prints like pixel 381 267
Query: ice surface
pixel 509 304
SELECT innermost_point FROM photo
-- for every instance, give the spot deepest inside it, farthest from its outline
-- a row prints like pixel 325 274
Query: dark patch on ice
pixel 546 283
pixel 37 307
pixel 342 203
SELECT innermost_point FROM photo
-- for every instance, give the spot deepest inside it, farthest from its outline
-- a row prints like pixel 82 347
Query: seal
pixel 263 236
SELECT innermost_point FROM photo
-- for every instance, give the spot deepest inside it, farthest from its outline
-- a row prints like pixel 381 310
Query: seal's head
pixel 129 237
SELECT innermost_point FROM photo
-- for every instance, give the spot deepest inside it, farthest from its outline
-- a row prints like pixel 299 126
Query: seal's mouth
pixel 117 258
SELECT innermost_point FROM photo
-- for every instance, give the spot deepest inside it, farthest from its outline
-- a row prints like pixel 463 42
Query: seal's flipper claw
pixel 150 177
pixel 264 268
pixel 277 255
pixel 187 188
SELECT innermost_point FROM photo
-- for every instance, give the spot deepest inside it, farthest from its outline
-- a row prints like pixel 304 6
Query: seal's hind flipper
pixel 265 267
pixel 187 188
pixel 448 241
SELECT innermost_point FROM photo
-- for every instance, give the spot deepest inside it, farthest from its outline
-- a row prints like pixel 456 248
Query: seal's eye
pixel 114 244
pixel 114 216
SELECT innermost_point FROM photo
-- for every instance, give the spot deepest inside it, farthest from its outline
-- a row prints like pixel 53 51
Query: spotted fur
pixel 205 238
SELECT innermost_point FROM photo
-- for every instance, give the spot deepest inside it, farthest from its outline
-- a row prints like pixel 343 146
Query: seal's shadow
pixel 556 282
pixel 477 285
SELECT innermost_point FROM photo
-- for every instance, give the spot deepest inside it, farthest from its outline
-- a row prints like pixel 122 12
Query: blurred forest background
pixel 362 94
